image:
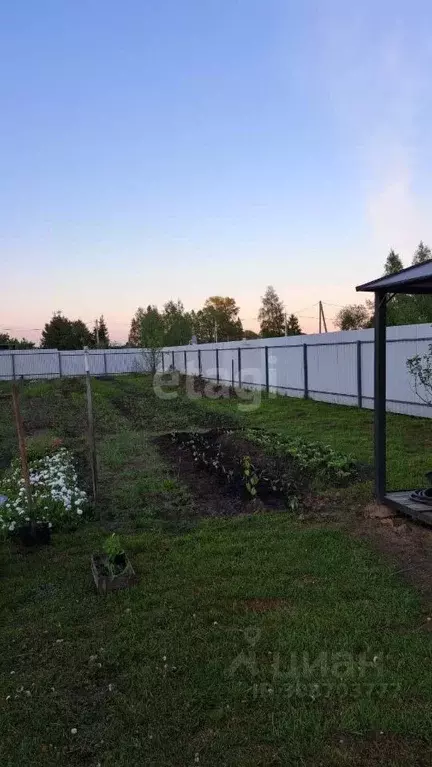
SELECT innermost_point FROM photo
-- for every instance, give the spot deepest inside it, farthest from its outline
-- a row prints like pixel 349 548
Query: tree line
pixel 218 320
pixel 63 334
pixel 401 310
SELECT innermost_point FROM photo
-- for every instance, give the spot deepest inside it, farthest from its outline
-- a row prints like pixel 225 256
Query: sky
pixel 162 149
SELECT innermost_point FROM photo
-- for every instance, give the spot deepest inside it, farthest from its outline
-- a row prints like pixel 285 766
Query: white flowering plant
pixel 56 496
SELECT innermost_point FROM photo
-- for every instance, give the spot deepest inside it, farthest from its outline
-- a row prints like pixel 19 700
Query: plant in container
pixel 112 569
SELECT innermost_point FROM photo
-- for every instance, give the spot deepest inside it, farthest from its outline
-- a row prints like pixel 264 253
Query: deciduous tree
pixel 218 319
pixel 8 342
pixel 352 317
pixel 177 324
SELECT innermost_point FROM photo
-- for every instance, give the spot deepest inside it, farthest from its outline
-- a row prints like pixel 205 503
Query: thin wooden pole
pixel 92 443
pixel 21 442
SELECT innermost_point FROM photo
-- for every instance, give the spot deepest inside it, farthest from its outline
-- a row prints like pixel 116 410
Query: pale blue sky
pixel 155 149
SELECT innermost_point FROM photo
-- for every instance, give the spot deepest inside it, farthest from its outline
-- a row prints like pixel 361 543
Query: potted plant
pixel 112 569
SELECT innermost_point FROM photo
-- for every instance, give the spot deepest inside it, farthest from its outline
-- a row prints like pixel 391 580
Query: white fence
pixel 332 367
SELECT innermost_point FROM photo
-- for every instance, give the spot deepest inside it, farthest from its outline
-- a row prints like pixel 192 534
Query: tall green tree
pixel 271 315
pixel 177 324
pixel 100 333
pixel 293 326
pixel 152 337
pixel 422 253
pixel 393 263
pixel 62 333
pixel 218 319
pixel 134 338
pixel 152 331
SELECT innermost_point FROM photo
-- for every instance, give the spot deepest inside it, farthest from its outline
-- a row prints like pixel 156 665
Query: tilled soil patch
pixel 211 497
pixel 213 471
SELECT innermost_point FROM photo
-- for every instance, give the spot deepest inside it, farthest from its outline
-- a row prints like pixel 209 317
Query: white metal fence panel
pixel 253 367
pixel 228 365
pixel 323 360
pixel 208 364
pixel 333 367
pixel 286 370
pixel 192 362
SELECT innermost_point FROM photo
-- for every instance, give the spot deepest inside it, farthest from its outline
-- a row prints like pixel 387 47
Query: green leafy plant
pixel 420 369
pixel 113 547
pixel 221 453
pixel 250 476
pixel 316 459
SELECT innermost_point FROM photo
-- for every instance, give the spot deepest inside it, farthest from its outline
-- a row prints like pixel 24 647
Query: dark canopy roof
pixel 414 279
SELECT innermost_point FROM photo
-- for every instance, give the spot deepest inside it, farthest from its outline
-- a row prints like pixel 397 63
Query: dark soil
pixel 213 494
pixel 211 498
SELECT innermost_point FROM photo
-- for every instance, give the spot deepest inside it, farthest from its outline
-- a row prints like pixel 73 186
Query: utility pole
pixel 215 331
pixel 97 333
pixel 286 326
pixel 322 319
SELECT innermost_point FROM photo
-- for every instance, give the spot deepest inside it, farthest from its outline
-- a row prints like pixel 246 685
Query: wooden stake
pixel 21 442
pixel 92 443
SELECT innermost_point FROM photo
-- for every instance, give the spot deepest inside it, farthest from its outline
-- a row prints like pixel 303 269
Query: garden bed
pixel 229 474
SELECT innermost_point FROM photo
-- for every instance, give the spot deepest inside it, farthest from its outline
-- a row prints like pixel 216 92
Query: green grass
pixel 167 650
pixel 191 666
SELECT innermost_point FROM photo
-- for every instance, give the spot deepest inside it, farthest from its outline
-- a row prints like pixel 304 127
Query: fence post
pixel 13 365
pixel 305 372
pixel 232 373
pixel 199 363
pixel 267 382
pixel 59 365
pixel 173 361
pixel 239 366
pixel 217 365
pixel 185 362
pixel 105 363
pixel 359 375
pixel 163 361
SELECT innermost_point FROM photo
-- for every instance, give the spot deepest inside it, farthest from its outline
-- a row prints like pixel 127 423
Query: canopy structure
pixel 413 280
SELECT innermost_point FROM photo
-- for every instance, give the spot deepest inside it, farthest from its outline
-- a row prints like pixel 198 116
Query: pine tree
pixel 135 328
pixel 422 254
pixel 100 333
pixel 393 264
pixel 293 326
pixel 271 315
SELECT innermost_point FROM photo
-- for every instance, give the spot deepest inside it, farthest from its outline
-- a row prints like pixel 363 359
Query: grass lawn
pixel 256 640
